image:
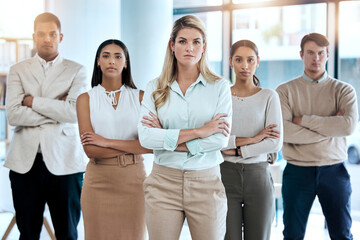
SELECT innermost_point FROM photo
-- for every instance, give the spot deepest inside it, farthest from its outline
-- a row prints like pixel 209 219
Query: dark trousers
pixel 332 186
pixel 38 186
pixel 250 194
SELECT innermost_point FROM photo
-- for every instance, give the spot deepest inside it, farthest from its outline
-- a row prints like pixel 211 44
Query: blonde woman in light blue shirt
pixel 186 116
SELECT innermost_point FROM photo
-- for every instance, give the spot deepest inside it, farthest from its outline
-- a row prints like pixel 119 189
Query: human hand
pixel 90 138
pixel 268 132
pixel 341 112
pixel 297 120
pixel 64 97
pixel 152 121
pixel 216 125
pixel 230 152
pixel 27 101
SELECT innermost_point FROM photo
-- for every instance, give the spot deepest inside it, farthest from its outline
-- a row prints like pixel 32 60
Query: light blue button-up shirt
pixel 323 77
pixel 202 101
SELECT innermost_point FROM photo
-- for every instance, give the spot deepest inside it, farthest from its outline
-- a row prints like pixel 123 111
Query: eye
pixel 40 34
pixel 197 42
pixel 118 57
pixel 321 53
pixel 237 60
pixel 53 35
pixel 182 41
pixel 251 60
pixel 105 56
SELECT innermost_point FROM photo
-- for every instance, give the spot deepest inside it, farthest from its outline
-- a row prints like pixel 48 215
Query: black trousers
pixel 38 186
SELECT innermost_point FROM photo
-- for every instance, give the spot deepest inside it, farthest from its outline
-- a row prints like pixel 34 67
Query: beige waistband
pixel 121 160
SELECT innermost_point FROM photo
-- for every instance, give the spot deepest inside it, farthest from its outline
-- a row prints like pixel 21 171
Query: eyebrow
pixel 251 56
pixel 193 39
pixel 118 53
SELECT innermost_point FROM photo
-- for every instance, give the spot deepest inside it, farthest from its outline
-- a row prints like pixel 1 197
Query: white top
pixel 119 123
pixel 251 115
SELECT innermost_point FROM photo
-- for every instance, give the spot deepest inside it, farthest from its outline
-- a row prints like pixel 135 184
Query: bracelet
pixel 237 152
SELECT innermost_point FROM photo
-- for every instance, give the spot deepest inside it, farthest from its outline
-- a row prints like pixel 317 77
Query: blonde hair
pixel 169 71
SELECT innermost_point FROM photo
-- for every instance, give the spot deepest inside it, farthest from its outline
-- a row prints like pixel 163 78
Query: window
pixel 17 17
pixel 349 39
pixel 278 37
pixel 192 3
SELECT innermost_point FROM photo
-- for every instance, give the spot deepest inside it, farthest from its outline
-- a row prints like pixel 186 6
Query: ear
pixel 172 45
pixel 230 62
pixel 204 47
pixel 258 62
pixel 301 55
pixel 61 37
pixel 34 37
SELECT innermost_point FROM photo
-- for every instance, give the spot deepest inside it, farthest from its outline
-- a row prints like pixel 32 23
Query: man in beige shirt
pixel 318 113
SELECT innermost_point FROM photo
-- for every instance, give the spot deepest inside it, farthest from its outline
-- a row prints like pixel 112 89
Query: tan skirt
pixel 112 199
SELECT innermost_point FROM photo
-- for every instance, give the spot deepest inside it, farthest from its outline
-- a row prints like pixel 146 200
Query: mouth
pixel 111 69
pixel 190 56
pixel 244 73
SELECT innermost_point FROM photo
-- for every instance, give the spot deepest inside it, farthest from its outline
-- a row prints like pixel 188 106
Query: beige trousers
pixel 173 194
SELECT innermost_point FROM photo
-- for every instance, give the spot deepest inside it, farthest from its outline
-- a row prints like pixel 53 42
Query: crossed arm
pixel 24 109
pixel 96 146
pixel 308 129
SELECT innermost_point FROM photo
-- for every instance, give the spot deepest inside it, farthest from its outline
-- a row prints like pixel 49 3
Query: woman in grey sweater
pixel 255 134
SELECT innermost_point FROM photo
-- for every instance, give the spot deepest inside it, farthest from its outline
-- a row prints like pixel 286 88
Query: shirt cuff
pixel 244 152
pixel 194 146
pixel 231 143
pixel 171 138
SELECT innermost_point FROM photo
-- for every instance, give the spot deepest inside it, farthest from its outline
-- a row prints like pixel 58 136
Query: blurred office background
pixel 276 26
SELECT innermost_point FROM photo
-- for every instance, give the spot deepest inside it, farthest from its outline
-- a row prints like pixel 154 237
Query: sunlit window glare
pixel 17 17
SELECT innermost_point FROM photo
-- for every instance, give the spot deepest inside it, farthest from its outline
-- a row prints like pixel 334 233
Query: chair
pixel 6 204
pixel 276 174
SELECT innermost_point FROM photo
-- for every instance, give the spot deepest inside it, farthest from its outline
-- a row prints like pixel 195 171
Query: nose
pixel 245 65
pixel 112 60
pixel 47 38
pixel 190 47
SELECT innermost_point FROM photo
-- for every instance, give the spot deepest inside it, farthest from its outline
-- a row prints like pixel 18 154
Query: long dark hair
pixel 126 72
pixel 251 45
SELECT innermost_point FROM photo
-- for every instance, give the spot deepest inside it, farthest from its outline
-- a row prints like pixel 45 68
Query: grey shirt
pixel 251 115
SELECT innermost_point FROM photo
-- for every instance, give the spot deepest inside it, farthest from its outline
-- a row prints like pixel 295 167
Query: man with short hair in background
pixel 318 113
pixel 45 158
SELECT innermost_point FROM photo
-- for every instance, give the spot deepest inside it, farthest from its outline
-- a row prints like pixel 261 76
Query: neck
pixel 49 58
pixel 244 88
pixel 188 74
pixel 111 84
pixel 314 75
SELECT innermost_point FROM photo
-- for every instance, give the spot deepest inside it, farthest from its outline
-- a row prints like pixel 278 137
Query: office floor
pixel 315 229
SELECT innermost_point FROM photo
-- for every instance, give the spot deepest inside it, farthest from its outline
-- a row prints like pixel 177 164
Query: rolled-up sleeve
pixel 216 141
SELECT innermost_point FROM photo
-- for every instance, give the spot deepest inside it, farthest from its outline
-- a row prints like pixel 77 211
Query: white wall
pixel 145 29
pixel 86 24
